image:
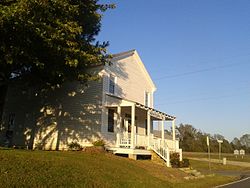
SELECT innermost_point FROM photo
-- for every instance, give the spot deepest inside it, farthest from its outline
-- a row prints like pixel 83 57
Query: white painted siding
pixel 132 82
pixel 68 114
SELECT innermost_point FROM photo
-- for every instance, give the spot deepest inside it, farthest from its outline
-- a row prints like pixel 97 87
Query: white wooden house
pixel 118 108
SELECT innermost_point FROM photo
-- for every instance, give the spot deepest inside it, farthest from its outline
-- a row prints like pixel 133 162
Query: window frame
pixel 111 120
pixel 147 97
pixel 112 84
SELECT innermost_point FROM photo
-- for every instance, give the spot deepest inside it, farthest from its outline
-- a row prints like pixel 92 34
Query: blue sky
pixel 198 54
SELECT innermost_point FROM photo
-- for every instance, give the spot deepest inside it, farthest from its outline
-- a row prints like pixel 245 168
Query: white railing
pixel 163 147
pixel 159 146
pixel 140 141
pixel 125 142
pixel 173 145
pixel 144 140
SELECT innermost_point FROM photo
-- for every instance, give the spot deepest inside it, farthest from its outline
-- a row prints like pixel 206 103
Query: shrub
pixel 185 162
pixel 176 163
pixel 175 160
pixel 75 146
pixel 98 143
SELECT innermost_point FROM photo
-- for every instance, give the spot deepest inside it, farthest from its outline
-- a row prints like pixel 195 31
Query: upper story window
pixel 147 98
pixel 111 84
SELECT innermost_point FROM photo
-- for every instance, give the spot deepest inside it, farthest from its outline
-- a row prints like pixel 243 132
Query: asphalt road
pixel 245 176
pixel 244 183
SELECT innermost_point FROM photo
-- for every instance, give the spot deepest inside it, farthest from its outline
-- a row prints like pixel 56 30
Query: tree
pixel 236 143
pixel 187 137
pixel 218 137
pixel 49 42
pixel 195 140
pixel 245 140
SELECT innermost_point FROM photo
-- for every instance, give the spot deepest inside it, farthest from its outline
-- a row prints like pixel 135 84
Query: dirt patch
pixel 161 171
pixel 94 149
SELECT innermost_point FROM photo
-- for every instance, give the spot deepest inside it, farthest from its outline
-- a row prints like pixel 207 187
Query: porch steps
pixel 193 174
pixel 163 154
pixel 157 159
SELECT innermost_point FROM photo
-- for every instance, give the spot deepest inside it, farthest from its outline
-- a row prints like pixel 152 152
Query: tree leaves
pixel 50 41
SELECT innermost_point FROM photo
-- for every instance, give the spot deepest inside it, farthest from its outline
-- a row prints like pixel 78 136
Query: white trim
pixel 126 102
pixel 103 116
pixel 115 83
pixel 148 95
pixel 152 100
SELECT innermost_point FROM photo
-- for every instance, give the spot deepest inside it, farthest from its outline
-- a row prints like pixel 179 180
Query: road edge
pixel 244 179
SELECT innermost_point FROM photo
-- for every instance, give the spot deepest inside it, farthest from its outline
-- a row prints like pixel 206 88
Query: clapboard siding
pixel 68 114
pixel 132 82
pixel 75 112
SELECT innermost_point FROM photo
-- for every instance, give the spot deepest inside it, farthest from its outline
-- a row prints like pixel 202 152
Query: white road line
pixel 232 182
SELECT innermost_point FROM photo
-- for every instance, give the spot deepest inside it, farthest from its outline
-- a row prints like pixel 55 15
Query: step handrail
pixel 161 149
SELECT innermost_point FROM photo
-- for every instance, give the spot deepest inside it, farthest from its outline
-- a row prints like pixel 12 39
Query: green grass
pixel 231 157
pixel 21 168
pixel 204 167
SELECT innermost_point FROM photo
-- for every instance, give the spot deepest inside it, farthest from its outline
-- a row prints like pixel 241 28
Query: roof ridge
pixel 123 53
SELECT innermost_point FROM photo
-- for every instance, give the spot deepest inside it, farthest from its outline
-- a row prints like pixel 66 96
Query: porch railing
pixel 161 150
pixel 172 145
pixel 161 146
pixel 144 140
pixel 125 142
pixel 140 141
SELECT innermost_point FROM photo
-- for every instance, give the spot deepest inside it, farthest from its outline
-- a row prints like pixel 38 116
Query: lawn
pixel 231 157
pixel 21 168
pixel 215 167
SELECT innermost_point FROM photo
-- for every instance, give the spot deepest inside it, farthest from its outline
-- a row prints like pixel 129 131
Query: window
pixel 111 84
pixel 147 99
pixel 111 121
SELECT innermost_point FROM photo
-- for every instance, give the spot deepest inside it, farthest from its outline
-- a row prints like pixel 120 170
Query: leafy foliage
pixel 50 41
pixel 75 146
pixel 99 143
pixel 176 163
pixel 194 140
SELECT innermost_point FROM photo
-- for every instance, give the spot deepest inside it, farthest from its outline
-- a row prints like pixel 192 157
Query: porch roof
pixel 153 112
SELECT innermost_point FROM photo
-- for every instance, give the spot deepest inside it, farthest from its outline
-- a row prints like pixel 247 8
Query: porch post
pixel 148 126
pixel 118 126
pixel 173 132
pixel 133 126
pixel 173 129
pixel 162 132
pixel 168 158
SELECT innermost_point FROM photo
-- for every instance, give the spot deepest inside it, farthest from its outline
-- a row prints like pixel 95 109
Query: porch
pixel 132 125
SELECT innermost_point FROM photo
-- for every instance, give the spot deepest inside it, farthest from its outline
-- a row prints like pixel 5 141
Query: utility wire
pixel 217 59
pixel 190 90
pixel 199 99
pixel 199 71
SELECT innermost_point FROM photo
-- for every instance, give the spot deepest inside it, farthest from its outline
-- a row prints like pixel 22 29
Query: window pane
pixel 112 85
pixel 111 120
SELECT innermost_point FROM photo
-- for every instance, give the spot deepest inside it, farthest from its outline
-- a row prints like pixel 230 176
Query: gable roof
pixel 134 53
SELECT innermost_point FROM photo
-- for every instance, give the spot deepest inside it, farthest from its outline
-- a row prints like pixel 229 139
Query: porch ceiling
pixel 155 113
pixel 158 115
